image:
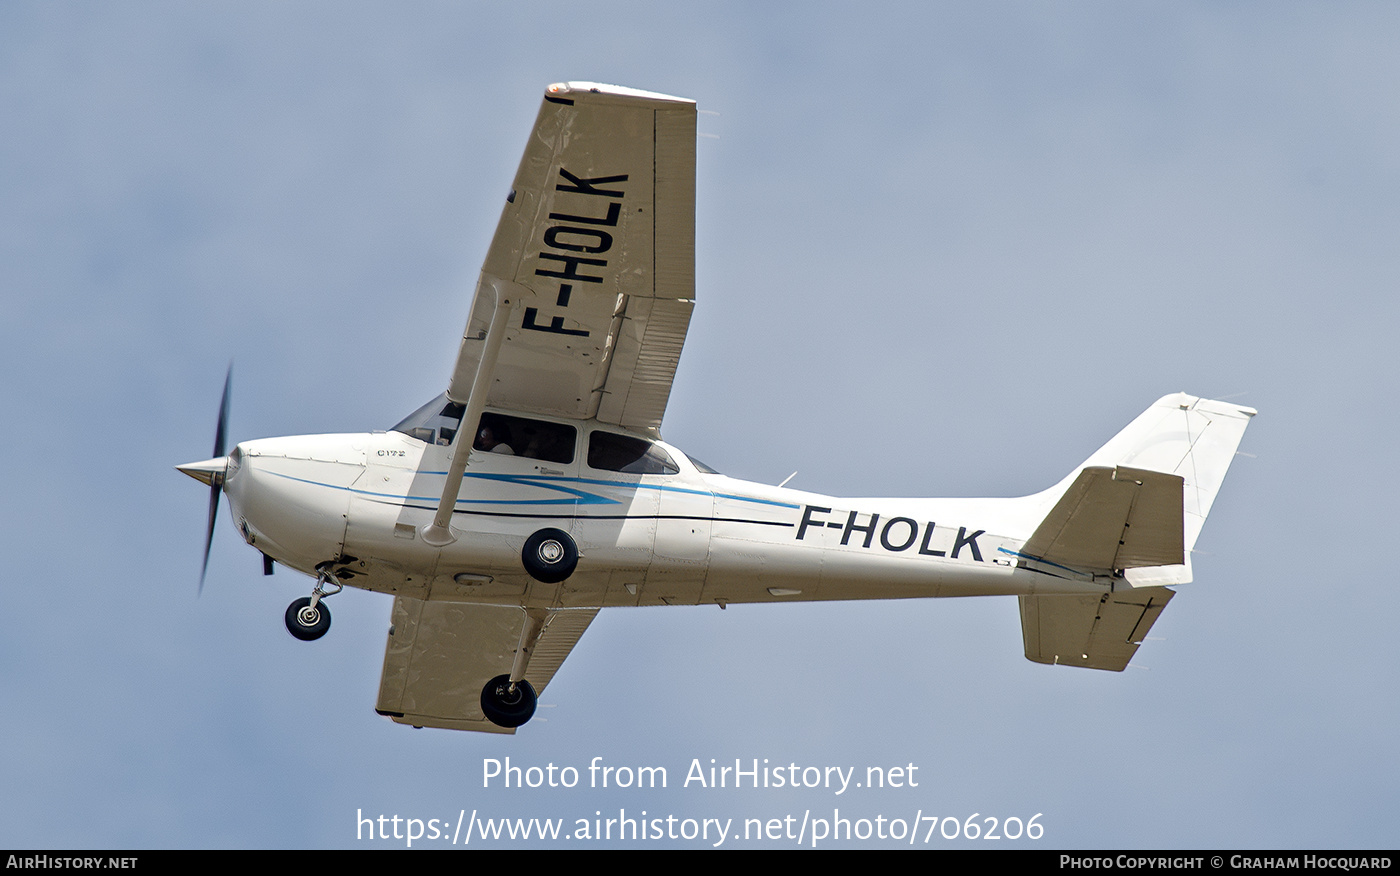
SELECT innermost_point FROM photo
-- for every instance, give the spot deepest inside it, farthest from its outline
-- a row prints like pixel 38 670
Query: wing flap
pixel 439 655
pixel 1095 632
pixel 1114 518
pixel 644 362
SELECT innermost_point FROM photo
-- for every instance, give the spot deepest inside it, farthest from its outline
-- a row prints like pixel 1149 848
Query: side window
pixel 532 439
pixel 623 453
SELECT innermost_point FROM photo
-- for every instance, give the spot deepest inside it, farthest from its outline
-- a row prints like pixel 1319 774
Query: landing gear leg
pixel 308 618
pixel 509 700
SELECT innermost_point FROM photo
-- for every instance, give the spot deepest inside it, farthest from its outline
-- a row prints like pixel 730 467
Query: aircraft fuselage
pixel 682 538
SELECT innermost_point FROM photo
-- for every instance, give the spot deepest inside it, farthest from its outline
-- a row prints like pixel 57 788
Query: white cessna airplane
pixel 500 541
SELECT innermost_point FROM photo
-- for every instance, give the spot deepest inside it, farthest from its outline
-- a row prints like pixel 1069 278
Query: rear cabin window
pixel 623 453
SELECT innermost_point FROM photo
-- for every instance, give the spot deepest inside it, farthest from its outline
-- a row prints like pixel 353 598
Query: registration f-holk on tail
pixel 502 540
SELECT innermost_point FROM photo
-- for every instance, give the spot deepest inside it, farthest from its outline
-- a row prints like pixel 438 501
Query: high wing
pixel 581 312
pixel 440 655
pixel 595 255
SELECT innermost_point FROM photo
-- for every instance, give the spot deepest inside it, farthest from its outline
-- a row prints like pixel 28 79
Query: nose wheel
pixel 306 621
pixel 308 618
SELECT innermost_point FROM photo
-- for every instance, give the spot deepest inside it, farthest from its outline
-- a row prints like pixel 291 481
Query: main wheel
pixel 550 556
pixel 505 707
pixel 305 622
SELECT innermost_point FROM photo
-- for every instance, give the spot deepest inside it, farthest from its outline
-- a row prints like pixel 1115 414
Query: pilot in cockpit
pixel 493 438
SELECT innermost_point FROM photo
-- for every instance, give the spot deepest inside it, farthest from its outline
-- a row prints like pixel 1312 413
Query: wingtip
pixel 578 88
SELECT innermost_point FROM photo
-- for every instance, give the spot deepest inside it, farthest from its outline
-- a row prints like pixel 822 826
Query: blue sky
pixel 942 249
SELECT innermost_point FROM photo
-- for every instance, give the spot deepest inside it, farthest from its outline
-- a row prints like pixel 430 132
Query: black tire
pixel 550 556
pixel 504 707
pixel 306 623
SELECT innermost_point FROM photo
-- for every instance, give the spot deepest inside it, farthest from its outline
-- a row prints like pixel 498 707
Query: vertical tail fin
pixel 1183 435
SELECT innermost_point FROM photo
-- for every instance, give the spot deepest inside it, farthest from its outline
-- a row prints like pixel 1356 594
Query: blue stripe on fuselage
pixel 555 483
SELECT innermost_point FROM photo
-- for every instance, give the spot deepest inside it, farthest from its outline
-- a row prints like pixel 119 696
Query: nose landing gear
pixel 308 618
pixel 306 621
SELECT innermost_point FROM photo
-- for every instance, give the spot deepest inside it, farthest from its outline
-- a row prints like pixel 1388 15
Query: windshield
pixel 434 423
pixel 704 469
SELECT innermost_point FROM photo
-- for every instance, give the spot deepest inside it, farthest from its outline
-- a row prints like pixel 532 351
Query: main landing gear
pixel 508 703
pixel 550 556
pixel 505 704
pixel 308 618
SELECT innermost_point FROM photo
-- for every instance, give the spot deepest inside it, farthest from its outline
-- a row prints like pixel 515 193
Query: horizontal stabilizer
pixel 1113 518
pixel 1093 631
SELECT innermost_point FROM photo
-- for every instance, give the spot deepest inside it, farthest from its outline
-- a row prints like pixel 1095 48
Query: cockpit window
pixel 623 453
pixel 519 436
pixel 437 422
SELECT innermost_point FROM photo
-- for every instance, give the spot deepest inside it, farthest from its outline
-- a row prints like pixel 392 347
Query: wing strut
pixel 437 533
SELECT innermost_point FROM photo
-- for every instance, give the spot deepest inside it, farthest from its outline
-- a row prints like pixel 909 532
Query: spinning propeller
pixel 211 472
